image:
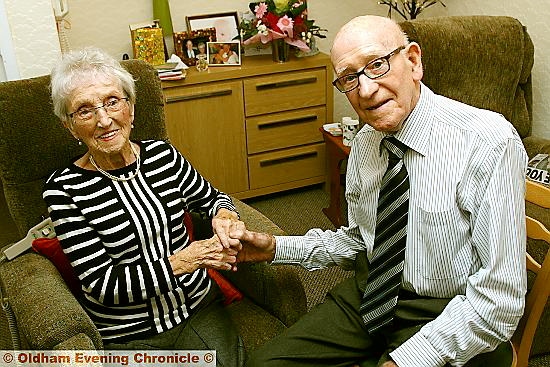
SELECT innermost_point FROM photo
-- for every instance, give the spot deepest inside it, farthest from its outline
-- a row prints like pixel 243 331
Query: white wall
pixel 32 44
pixel 105 24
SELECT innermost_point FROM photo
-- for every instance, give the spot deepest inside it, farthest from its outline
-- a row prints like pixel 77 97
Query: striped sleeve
pixel 199 194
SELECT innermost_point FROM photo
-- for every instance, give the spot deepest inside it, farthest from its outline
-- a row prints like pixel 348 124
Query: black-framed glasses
pixel 374 69
pixel 111 105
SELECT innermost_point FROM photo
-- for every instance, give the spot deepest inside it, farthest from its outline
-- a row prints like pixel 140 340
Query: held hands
pixel 203 254
pixel 256 247
pixel 222 223
pixel 231 243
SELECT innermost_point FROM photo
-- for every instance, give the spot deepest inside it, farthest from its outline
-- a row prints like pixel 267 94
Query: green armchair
pixel 47 315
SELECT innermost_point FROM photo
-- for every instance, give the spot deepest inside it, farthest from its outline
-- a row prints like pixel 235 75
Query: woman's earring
pixel 132 126
pixel 79 141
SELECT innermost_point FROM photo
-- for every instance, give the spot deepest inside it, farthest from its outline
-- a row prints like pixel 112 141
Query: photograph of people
pixel 190 51
pixel 224 53
pixel 201 47
pixel 118 212
pixel 438 253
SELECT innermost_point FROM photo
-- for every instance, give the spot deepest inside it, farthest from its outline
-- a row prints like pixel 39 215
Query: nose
pixel 367 87
pixel 102 117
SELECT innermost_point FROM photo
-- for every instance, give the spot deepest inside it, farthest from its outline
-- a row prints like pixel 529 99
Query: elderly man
pixel 432 188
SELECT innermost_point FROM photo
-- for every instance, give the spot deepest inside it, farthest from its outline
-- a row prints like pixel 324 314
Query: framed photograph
pixel 226 24
pixel 189 45
pixel 224 53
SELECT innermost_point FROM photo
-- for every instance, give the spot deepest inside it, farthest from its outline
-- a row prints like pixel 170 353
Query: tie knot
pixel 394 146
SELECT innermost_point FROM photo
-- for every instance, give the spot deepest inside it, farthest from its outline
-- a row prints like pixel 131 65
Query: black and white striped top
pixel 118 236
pixel 465 232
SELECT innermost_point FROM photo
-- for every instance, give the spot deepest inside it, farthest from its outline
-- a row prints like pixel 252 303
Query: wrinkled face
pixel 106 133
pixel 383 103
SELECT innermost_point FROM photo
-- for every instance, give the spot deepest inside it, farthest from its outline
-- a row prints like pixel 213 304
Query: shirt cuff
pixel 418 352
pixel 289 250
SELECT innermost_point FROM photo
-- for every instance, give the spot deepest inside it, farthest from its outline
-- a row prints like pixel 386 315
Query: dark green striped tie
pixel 386 263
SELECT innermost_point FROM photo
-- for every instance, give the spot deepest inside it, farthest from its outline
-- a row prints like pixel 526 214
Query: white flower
pixel 262 28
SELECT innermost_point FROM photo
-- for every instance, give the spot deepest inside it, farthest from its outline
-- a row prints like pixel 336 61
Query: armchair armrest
pixel 277 289
pixel 47 313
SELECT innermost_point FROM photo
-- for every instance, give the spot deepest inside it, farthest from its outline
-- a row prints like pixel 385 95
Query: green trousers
pixel 209 328
pixel 333 333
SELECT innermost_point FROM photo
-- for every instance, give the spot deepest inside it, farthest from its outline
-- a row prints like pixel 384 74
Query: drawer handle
pixel 219 93
pixel 290 158
pixel 287 83
pixel 300 120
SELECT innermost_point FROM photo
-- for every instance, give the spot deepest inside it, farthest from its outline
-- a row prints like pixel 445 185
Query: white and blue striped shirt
pixel 118 237
pixel 466 225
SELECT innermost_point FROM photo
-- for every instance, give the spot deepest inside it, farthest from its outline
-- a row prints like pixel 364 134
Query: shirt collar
pixel 417 128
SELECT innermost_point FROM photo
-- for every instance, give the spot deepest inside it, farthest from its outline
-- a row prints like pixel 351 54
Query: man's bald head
pixel 368 28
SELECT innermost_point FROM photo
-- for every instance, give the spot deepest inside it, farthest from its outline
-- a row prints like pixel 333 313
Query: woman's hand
pixel 222 224
pixel 203 254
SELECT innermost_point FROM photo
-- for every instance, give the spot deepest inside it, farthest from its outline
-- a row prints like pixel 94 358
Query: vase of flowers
pixel 408 9
pixel 283 23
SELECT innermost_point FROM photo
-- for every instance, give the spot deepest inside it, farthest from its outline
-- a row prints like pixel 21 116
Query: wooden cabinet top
pixel 251 66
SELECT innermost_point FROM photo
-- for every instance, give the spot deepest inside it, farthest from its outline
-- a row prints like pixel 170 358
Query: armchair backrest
pixel 484 61
pixel 34 143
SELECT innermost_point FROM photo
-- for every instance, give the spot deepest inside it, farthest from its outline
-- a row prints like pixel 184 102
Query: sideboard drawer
pixel 284 129
pixel 284 91
pixel 293 164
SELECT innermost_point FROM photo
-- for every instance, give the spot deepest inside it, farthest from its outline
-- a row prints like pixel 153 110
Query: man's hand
pixel 256 247
pixel 221 224
pixel 389 364
pixel 203 254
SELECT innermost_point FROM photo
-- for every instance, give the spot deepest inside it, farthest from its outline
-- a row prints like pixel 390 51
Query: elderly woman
pixel 118 212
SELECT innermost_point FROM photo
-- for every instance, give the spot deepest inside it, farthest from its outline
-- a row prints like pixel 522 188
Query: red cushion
pixel 230 292
pixel 51 248
pixel 188 223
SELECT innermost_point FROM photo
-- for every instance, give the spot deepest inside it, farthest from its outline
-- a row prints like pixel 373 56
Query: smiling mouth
pixel 108 135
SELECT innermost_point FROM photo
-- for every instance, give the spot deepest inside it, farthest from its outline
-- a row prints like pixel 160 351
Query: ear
pixel 414 56
pixel 68 124
pixel 132 113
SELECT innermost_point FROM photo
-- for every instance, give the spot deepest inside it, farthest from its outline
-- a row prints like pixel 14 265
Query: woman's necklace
pixel 115 178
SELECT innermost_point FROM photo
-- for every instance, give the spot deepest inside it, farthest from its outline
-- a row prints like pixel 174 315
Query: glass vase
pixel 313 50
pixel 280 50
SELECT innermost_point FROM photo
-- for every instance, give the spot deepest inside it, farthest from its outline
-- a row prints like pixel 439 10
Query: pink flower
pixel 260 10
pixel 285 24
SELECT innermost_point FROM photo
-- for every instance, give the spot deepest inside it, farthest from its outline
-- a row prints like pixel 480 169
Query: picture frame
pixel 197 38
pixel 224 53
pixel 226 24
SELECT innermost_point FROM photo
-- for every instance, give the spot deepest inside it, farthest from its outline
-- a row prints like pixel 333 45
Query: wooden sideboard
pixel 253 129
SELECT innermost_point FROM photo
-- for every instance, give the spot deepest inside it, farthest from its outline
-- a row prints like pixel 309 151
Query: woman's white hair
pixel 87 63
